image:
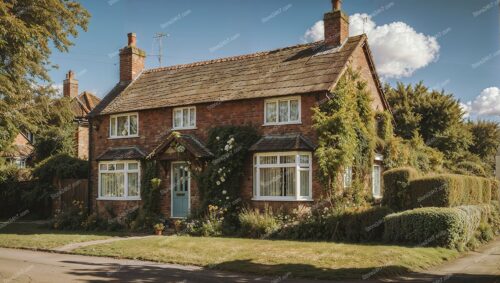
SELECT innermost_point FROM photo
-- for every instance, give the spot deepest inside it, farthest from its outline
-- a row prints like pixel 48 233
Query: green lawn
pixel 300 259
pixel 30 236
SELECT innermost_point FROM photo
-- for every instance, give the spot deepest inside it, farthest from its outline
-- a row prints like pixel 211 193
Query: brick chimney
pixel 336 25
pixel 131 60
pixel 70 85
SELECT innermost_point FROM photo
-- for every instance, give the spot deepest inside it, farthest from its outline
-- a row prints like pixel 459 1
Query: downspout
pixel 89 185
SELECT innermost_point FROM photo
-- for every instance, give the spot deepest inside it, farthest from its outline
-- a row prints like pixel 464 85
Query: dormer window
pixel 184 118
pixel 282 111
pixel 124 125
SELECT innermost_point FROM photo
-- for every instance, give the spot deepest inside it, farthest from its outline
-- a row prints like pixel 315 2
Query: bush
pixel 257 225
pixel 396 182
pixel 470 168
pixel 61 166
pixel 448 190
pixel 353 225
pixel 495 189
pixel 434 226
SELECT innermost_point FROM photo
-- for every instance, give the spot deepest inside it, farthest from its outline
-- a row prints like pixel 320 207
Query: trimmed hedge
pixel 396 182
pixel 448 190
pixel 435 226
pixel 495 190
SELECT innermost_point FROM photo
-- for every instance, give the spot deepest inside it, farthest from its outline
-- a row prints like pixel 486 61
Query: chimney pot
pixel 131 39
pixel 337 5
pixel 70 85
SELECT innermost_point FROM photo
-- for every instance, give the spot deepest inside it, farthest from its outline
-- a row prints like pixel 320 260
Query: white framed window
pixel 376 181
pixel 184 117
pixel 282 111
pixel 19 162
pixel 120 180
pixel 347 177
pixel 124 125
pixel 283 176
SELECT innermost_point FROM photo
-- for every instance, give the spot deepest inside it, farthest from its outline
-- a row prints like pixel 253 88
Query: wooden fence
pixel 68 191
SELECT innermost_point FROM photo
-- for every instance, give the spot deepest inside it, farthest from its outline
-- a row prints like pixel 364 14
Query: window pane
pixel 120 166
pixel 294 110
pixel 288 181
pixel 111 167
pixel 133 166
pixel 271 112
pixel 348 177
pixel 288 159
pixel 192 119
pixel 133 184
pixel 304 159
pixel 122 126
pixel 112 185
pixel 113 127
pixel 304 183
pixel 177 118
pixel 103 167
pixel 376 181
pixel 133 124
pixel 268 160
pixel 185 116
pixel 277 181
pixel 283 111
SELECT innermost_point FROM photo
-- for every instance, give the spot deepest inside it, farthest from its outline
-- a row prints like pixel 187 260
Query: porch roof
pixel 122 153
pixel 283 143
pixel 189 142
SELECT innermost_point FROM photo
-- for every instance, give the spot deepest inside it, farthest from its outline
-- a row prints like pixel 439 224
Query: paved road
pixel 482 266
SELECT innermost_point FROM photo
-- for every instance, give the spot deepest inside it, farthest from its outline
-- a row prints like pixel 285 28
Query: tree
pixel 485 140
pixel 435 116
pixel 27 30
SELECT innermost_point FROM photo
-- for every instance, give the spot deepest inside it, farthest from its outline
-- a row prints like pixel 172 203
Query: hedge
pixel 396 182
pixel 495 190
pixel 435 226
pixel 448 190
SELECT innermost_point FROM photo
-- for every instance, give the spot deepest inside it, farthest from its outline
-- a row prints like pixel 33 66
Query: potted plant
pixel 159 227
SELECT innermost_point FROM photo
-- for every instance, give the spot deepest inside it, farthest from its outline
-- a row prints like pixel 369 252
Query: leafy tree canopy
pixel 28 28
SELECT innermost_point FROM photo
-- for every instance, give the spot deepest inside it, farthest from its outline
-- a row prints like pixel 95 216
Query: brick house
pixel 273 91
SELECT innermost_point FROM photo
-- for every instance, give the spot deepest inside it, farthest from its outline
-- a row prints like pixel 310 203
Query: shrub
pixel 434 226
pixel 61 166
pixel 396 182
pixel 447 190
pixel 352 225
pixel 257 225
pixel 470 168
pixel 495 189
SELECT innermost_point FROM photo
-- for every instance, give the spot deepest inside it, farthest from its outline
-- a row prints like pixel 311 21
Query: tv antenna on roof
pixel 159 37
pixel 365 21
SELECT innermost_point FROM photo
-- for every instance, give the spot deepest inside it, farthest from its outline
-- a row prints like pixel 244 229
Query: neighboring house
pixel 273 91
pixel 21 151
pixel 81 105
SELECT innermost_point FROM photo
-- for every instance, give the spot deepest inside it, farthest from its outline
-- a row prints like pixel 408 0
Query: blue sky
pixel 466 64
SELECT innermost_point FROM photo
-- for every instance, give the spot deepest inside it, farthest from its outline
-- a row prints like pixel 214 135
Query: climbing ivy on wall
pixel 346 135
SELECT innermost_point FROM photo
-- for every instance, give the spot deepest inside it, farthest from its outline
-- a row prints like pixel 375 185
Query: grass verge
pixel 318 260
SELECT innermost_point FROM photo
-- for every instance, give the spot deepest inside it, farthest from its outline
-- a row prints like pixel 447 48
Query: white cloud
pixel 486 104
pixel 397 48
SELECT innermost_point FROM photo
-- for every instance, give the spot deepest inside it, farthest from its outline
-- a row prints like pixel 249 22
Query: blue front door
pixel 180 189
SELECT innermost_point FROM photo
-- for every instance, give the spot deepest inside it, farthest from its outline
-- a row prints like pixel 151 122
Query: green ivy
pixel 346 135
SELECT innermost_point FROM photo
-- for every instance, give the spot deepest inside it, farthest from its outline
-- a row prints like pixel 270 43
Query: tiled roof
pixel 84 103
pixel 122 153
pixel 112 94
pixel 283 143
pixel 298 69
pixel 18 150
pixel 189 142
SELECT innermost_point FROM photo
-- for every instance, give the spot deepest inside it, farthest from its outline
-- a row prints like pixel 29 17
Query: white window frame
pixel 116 116
pixel 256 180
pixel 189 108
pixel 276 101
pixel 125 172
pixel 380 181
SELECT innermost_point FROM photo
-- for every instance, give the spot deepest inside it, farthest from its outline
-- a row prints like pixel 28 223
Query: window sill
pixel 281 124
pixel 125 137
pixel 122 199
pixel 282 199
pixel 180 129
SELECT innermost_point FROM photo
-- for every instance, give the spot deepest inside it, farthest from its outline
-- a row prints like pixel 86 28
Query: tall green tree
pixel 485 140
pixel 28 29
pixel 435 116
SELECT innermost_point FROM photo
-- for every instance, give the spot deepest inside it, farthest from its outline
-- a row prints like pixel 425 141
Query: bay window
pixel 119 180
pixel 283 176
pixel 124 125
pixel 282 111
